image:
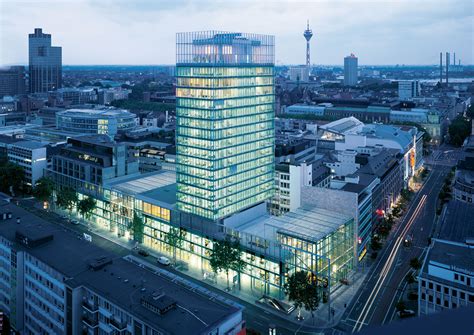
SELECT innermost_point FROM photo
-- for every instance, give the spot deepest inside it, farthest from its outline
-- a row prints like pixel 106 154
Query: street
pixel 375 302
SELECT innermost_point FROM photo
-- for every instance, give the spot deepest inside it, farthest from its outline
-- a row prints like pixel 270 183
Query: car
pixel 144 253
pixel 164 260
pixel 406 313
pixel 75 222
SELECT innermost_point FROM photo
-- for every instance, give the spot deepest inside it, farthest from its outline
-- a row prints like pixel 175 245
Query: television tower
pixel 308 33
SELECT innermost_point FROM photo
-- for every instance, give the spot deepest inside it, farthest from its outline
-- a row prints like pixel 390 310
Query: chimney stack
pixel 441 68
pixel 447 69
pixel 454 59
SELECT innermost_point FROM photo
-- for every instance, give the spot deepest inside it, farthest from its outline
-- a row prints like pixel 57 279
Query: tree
pixel 137 228
pixel 415 263
pixel 225 256
pixel 303 291
pixel 66 199
pixel 470 112
pixel 43 189
pixel 174 239
pixel 12 178
pixel 375 243
pixel 459 129
pixel 86 206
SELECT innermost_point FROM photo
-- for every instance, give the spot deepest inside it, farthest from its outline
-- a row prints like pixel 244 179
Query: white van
pixel 163 260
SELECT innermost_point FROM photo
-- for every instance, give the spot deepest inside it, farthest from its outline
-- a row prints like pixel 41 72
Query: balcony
pixel 118 325
pixel 91 323
pixel 90 306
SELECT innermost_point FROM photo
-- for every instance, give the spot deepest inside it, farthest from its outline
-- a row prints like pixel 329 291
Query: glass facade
pixel 225 122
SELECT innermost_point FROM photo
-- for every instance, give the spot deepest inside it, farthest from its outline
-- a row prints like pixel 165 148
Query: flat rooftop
pixel 121 282
pixel 309 223
pixel 159 186
pixel 126 284
pixel 457 224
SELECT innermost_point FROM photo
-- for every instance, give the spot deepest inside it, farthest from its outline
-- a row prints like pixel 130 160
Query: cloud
pixel 143 32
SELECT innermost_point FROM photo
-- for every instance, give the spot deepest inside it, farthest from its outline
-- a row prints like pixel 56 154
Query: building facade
pixel 225 122
pixel 446 280
pixel 108 121
pixel 32 157
pixel 408 89
pixel 45 63
pixel 12 80
pixel 350 70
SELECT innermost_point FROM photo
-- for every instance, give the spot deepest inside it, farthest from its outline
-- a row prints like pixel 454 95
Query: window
pixel 446 290
pixel 438 301
pixel 430 285
pixel 423 296
pixel 456 276
pixel 438 288
pixel 454 293
pixel 471 298
pixel 430 298
pixel 462 295
pixel 446 303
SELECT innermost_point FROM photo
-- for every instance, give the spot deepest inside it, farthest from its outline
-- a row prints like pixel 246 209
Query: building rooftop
pixel 94 113
pixel 457 224
pixel 29 144
pixel 128 285
pixel 158 187
pixel 122 282
pixel 307 222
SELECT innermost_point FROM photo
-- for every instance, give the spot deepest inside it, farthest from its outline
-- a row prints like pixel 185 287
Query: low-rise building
pixel 32 157
pixel 106 121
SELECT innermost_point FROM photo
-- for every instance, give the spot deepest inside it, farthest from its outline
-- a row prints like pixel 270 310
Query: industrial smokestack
pixel 454 59
pixel 447 69
pixel 440 67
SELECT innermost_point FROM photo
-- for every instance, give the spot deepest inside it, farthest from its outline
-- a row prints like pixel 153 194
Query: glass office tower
pixel 225 122
pixel 45 63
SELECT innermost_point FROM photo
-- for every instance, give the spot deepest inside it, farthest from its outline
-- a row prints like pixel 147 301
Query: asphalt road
pixel 375 302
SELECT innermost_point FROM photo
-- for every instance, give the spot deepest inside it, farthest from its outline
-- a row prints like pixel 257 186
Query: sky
pixel 138 32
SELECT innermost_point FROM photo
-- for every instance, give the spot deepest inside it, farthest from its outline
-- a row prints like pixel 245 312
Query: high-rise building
pixel 350 70
pixel 45 63
pixel 12 80
pixel 408 89
pixel 225 122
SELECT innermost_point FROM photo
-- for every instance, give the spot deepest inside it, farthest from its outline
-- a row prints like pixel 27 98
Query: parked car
pixel 75 222
pixel 143 253
pixel 406 313
pixel 164 260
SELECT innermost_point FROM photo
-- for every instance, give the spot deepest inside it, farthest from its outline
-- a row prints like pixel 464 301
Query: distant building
pixel 350 70
pixel 45 63
pixel 299 73
pixel 12 80
pixel 72 96
pixel 408 89
pixel 32 157
pixel 96 121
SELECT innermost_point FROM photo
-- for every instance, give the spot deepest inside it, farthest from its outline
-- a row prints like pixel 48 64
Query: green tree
pixel 415 263
pixel 12 178
pixel 86 206
pixel 43 189
pixel 226 255
pixel 470 112
pixel 174 239
pixel 137 228
pixel 66 199
pixel 375 243
pixel 303 291
pixel 459 129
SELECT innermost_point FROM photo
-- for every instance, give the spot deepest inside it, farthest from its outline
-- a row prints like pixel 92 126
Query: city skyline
pixel 101 33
